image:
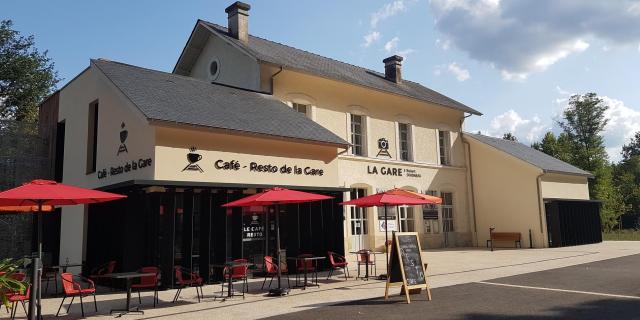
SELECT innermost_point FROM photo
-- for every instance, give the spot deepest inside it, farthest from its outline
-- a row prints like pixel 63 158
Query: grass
pixel 624 235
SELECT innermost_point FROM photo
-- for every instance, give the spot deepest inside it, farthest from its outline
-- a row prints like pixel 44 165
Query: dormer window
pixel 302 108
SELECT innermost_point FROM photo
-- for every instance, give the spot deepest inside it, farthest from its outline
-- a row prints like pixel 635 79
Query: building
pixel 240 113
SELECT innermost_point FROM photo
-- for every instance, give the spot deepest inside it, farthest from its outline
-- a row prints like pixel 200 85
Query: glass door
pixel 359 222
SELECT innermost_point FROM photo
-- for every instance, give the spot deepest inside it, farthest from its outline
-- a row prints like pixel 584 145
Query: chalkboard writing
pixel 411 260
pixel 405 266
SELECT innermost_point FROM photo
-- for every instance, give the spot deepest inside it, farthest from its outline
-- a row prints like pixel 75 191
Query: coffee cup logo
pixel 123 137
pixel 193 158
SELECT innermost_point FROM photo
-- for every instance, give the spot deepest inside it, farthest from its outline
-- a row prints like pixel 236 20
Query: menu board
pixel 405 265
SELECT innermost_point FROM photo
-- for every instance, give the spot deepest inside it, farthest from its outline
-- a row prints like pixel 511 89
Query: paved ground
pixel 447 269
pixel 607 289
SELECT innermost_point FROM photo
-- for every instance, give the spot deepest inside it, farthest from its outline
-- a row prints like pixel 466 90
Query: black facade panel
pixel 573 222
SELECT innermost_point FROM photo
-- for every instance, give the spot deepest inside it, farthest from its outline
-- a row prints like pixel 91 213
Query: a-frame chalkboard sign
pixel 405 265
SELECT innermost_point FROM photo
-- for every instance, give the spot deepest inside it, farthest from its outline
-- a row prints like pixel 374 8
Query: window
pixel 302 108
pixel 357 135
pixel 404 131
pixel 92 137
pixel 445 147
pixel 358 215
pixel 214 69
pixel 407 219
pixel 447 211
pixel 430 216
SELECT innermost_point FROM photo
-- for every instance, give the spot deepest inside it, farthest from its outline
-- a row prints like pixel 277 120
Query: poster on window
pixel 252 228
pixel 389 225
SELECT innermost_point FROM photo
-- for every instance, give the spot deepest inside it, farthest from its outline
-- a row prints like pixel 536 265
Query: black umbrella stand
pixel 279 291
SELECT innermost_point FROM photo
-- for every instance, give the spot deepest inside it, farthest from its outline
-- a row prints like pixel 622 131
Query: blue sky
pixel 515 61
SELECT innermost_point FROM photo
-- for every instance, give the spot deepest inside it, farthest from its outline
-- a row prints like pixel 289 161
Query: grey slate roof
pixel 289 57
pixel 169 97
pixel 530 155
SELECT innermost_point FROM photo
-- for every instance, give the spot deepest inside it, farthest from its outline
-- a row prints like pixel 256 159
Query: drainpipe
pixel 273 77
pixel 540 208
pixel 472 205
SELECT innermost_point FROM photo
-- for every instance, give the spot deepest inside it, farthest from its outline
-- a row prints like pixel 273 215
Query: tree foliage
pixel 27 75
pixel 613 204
pixel 509 136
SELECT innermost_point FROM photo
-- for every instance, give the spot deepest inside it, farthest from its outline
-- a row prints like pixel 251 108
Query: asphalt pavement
pixel 608 289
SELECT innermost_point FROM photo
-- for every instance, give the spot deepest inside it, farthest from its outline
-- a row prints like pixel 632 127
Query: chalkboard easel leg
pixel 406 294
pixel 428 293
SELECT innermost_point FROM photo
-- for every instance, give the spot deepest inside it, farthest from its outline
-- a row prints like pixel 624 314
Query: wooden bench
pixel 505 236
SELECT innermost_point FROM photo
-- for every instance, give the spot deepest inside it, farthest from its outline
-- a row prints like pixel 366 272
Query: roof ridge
pixel 178 75
pixel 312 53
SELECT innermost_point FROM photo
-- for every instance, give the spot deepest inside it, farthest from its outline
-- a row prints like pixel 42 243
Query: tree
pixel 559 147
pixel 583 122
pixel 613 205
pixel 632 149
pixel 27 76
pixel 627 174
pixel 509 136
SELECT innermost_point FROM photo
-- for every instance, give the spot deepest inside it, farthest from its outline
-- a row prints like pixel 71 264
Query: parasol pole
pixel 278 243
pixel 386 237
pixel 35 311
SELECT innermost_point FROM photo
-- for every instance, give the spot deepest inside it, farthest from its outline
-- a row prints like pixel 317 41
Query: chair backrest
pixel 270 266
pixel 302 263
pixel 150 280
pixel 240 270
pixel 19 276
pixel 67 282
pixel 332 257
pixel 364 256
pixel 178 272
pixel 111 267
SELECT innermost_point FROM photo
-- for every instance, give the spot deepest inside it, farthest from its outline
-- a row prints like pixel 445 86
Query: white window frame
pixel 448 220
pixel 214 77
pixel 364 125
pixel 431 226
pixel 409 141
pixel 355 212
pixel 307 108
pixel 407 219
pixel 446 148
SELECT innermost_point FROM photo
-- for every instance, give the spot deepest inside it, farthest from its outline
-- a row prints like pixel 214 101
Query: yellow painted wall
pixel 173 146
pixel 506 195
pixel 564 186
pixel 236 68
pixel 113 110
pixel 332 101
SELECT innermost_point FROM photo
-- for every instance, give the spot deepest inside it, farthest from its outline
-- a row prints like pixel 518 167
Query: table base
pixel 122 312
pixel 277 292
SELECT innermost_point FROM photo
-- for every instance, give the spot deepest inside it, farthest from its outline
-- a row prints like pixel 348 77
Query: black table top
pixel 306 258
pixel 231 264
pixel 68 265
pixel 128 275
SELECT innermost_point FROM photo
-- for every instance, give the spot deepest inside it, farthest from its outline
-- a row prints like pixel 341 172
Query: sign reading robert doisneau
pixel 235 165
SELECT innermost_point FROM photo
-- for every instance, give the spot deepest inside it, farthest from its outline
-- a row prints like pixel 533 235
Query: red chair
pixel 236 273
pixel 306 266
pixel 337 261
pixel 186 278
pixel 271 271
pixel 365 258
pixel 16 297
pixel 101 270
pixel 148 282
pixel 72 288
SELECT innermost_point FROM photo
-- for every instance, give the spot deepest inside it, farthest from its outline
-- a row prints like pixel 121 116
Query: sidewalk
pixel 446 268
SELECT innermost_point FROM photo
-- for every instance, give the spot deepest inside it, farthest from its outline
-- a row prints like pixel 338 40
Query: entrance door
pixel 359 222
pixel 447 219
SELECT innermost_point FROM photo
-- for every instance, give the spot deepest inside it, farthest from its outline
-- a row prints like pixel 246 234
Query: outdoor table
pixel 128 276
pixel 305 259
pixel 229 265
pixel 366 269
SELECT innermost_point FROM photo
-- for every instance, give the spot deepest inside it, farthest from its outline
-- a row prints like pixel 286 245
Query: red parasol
pixel 277 196
pixel 393 197
pixel 49 193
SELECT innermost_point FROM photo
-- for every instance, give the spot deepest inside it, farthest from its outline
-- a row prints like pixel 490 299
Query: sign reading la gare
pixel 392 171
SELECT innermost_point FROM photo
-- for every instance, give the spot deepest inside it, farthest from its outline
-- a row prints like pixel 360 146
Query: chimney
pixel 238 15
pixel 393 68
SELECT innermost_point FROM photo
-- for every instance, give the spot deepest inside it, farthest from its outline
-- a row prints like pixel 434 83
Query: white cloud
pixel 562 91
pixel 404 53
pixel 370 38
pixel 391 45
pixel 443 44
pixel 624 122
pixel 387 11
pixel 526 130
pixel 459 72
pixel 526 36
